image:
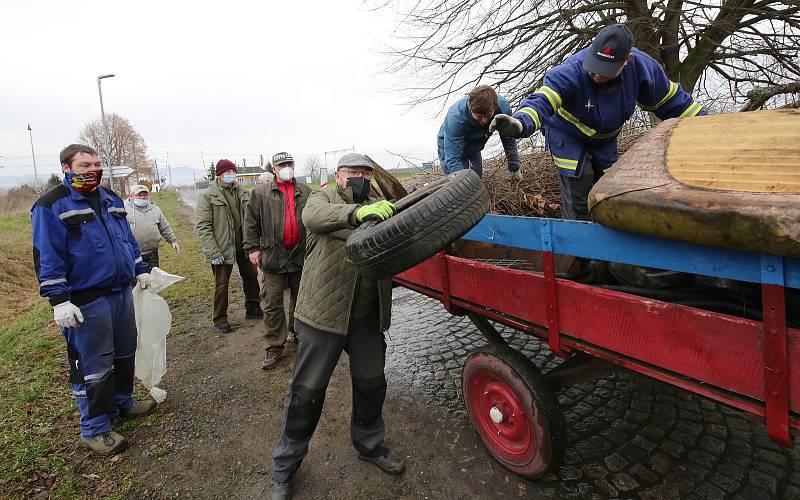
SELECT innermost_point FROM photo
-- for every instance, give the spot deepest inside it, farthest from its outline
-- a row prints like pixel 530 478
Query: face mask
pixel 84 183
pixel 228 179
pixel 286 174
pixel 141 203
pixel 360 188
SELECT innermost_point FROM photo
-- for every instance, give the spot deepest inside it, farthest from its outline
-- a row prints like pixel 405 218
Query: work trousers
pixel 101 354
pixel 275 321
pixel 317 356
pixel 575 190
pixel 151 258
pixel 222 276
pixel 474 162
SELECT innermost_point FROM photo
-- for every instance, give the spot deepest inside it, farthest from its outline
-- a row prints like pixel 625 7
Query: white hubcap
pixel 496 415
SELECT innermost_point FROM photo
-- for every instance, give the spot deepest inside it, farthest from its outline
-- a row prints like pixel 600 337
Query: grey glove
pixel 67 315
pixel 143 280
pixel 218 261
pixel 506 125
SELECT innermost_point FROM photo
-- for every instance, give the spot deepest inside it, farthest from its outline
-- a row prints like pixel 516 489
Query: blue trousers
pixel 101 354
pixel 474 162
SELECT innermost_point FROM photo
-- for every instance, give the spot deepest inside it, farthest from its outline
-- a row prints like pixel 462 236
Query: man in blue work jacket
pixel 583 104
pixel 86 261
pixel 465 130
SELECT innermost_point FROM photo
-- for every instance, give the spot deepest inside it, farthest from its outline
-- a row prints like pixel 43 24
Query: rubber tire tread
pixel 421 230
pixel 543 395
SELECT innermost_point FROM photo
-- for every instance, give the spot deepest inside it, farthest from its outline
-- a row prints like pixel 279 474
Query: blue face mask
pixel 228 179
pixel 141 203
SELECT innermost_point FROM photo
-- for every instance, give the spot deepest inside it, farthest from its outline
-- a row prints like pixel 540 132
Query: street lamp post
pixel 33 155
pixel 105 128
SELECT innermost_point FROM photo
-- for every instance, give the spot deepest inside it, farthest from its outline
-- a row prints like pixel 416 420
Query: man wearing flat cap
pixel 148 224
pixel 583 105
pixel 220 214
pixel 338 310
pixel 275 240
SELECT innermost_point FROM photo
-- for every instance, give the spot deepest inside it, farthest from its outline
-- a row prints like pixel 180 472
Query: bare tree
pixel 127 147
pixel 312 165
pixel 720 50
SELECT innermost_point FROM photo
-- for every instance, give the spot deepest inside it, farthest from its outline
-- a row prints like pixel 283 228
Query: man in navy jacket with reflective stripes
pixel 86 261
pixel 583 105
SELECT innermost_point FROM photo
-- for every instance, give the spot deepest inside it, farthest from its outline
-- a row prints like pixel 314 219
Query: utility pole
pixel 33 155
pixel 158 177
pixel 105 127
pixel 169 169
pixel 135 162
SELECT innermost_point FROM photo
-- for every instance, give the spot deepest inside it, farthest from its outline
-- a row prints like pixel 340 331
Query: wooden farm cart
pixel 746 364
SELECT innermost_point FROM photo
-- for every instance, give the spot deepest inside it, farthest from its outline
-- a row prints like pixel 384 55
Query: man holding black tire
pixel 338 310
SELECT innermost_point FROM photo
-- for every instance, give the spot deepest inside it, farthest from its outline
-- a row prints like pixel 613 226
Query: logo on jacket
pixel 606 52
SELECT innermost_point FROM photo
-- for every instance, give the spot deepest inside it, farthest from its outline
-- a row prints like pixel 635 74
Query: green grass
pixel 161 451
pixel 17 277
pixel 189 300
pixel 38 419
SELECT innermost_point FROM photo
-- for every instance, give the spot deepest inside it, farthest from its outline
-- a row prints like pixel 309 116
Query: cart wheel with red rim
pixel 514 410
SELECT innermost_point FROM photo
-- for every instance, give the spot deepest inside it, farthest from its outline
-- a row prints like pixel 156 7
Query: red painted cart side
pixel 746 364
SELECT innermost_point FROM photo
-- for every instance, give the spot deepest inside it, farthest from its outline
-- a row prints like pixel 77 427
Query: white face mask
pixel 228 179
pixel 286 174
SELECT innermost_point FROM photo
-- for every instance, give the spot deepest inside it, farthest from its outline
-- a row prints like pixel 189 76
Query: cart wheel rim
pixel 499 416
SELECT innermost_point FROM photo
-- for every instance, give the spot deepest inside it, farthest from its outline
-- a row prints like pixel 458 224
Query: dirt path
pixel 222 419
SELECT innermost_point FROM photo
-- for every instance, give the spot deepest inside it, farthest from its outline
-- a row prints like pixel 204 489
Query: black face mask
pixel 610 87
pixel 360 188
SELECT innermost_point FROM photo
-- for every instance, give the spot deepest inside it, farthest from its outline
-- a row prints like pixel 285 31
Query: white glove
pixel 67 315
pixel 506 125
pixel 517 176
pixel 143 280
pixel 218 261
pixel 176 247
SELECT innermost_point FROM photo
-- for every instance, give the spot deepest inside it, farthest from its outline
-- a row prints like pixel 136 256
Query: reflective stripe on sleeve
pixel 551 95
pixel 692 110
pixel 673 89
pixel 534 116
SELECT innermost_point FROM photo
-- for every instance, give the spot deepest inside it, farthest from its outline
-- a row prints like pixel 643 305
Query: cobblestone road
pixel 628 436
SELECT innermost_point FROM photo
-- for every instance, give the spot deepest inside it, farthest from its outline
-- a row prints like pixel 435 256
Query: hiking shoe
pixel 253 312
pixel 140 409
pixel 223 326
pixel 109 443
pixel 388 462
pixel 274 355
pixel 281 491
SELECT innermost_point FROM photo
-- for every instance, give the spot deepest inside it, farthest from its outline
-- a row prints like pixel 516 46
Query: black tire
pixel 421 230
pixel 529 442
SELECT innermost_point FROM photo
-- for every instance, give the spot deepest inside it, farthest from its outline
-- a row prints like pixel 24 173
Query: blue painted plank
pixel 593 241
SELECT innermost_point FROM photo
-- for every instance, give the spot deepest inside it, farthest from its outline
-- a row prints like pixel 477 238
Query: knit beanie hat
pixel 224 166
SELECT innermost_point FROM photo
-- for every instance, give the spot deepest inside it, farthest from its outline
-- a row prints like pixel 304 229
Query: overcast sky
pixel 225 79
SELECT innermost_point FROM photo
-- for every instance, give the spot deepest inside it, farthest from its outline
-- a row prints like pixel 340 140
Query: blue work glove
pixel 218 261
pixel 381 209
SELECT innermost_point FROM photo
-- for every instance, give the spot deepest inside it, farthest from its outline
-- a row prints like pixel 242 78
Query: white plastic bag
pixel 153 321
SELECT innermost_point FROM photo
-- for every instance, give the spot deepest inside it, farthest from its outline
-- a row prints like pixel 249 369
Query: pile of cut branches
pixel 538 194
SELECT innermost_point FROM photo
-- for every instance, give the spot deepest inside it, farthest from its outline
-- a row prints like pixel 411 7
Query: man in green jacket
pixel 220 213
pixel 275 238
pixel 337 310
